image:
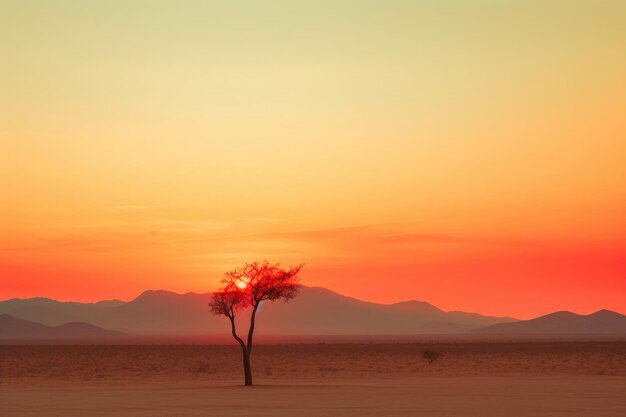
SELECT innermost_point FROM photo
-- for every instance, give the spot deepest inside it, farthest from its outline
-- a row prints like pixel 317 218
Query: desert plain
pixel 542 378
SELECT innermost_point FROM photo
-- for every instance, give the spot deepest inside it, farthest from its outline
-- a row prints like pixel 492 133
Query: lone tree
pixel 249 286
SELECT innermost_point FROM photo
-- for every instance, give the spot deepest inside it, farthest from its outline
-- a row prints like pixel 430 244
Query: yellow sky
pixel 158 137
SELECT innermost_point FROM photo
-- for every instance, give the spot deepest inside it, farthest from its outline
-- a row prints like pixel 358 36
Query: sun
pixel 241 284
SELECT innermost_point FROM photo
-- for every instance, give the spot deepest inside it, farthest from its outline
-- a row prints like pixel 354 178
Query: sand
pixel 469 379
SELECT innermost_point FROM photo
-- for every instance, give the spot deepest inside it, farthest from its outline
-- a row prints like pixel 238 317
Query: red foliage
pixel 253 283
pixel 227 302
pixel 250 285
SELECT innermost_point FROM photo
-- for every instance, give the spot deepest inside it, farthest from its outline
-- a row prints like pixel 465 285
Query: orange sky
pixel 469 156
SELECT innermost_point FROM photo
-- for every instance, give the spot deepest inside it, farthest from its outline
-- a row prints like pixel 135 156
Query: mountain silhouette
pixel 563 323
pixel 55 313
pixel 14 329
pixel 316 311
pixel 321 311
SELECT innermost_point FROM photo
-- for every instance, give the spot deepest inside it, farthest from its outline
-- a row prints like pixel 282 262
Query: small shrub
pixel 431 355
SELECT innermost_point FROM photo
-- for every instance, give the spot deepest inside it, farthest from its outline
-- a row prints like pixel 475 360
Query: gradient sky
pixel 470 154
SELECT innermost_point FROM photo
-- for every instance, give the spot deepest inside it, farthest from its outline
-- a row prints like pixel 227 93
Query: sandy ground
pixel 469 379
pixel 427 396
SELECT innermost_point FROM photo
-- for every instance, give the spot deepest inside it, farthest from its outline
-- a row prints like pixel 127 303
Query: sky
pixel 468 154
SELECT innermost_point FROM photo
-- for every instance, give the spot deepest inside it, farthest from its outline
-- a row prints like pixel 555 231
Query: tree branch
pixel 234 330
pixel 251 330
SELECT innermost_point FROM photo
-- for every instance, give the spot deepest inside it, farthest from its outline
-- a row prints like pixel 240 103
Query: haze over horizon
pixel 399 301
pixel 468 155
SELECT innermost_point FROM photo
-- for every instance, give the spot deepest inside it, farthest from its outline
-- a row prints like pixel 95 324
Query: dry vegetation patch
pixel 308 361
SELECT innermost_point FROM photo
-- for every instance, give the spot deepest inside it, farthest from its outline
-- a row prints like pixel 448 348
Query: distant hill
pixel 55 313
pixel 563 323
pixel 316 311
pixel 14 329
pixel 321 311
pixel 165 313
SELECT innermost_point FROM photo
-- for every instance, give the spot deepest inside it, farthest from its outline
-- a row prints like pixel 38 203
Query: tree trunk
pixel 251 329
pixel 247 369
pixel 247 349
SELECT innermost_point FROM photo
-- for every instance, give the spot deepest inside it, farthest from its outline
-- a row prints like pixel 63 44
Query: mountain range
pixel 315 312
pixel 13 328
pixel 603 322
